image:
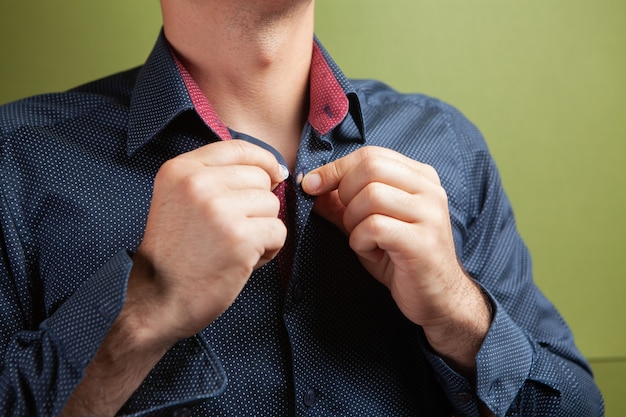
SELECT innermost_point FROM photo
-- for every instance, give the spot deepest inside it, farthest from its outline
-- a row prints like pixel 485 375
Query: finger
pixel 239 152
pixel 328 177
pixel 271 234
pixel 330 207
pixel 375 236
pixel 250 203
pixel 254 241
pixel 378 198
pixel 213 186
pixel 236 177
pixel 404 174
pixel 364 243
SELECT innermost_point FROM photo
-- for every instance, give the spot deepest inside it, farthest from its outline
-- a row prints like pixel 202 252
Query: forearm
pixel 459 338
pixel 126 356
pixel 516 373
pixel 114 374
pixel 458 341
pixel 42 367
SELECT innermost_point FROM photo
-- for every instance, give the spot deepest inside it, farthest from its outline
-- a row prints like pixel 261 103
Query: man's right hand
pixel 213 219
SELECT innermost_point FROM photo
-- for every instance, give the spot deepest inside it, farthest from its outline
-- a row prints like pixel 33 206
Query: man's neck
pixel 252 65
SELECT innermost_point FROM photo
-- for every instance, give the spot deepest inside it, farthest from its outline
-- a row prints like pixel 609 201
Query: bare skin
pixel 263 60
pixel 252 60
pixel 395 213
pixel 179 282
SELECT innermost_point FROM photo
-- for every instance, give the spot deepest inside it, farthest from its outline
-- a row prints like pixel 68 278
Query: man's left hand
pixel 395 212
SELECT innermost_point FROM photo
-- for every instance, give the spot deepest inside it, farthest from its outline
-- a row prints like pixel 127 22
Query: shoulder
pixel 434 132
pixel 378 93
pixel 55 109
pixel 420 117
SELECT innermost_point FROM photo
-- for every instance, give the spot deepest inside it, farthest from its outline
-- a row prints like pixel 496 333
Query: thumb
pixel 279 176
pixel 330 207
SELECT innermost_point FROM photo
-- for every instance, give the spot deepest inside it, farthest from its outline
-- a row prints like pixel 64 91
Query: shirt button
pixel 300 175
pixel 311 397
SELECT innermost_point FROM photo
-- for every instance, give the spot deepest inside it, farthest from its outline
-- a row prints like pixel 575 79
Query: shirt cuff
pixel 82 322
pixel 503 364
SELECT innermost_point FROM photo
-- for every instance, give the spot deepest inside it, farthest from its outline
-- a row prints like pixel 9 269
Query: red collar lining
pixel 328 102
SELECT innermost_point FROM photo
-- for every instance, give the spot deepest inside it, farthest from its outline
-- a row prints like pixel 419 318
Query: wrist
pixel 129 351
pixel 459 337
pixel 143 318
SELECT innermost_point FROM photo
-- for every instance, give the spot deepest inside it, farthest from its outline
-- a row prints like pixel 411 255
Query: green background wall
pixel 545 81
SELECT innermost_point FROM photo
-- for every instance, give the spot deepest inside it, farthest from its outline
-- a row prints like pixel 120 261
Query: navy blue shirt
pixel 77 171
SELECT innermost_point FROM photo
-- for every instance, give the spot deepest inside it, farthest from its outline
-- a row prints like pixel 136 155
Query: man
pixel 237 229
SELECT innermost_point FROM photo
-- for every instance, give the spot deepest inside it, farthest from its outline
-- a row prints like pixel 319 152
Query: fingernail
pixel 284 172
pixel 311 182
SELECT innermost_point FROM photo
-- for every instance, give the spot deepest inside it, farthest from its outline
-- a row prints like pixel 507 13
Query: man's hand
pixel 395 212
pixel 212 221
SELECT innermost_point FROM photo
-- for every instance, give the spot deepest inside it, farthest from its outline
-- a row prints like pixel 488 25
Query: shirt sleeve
pixel 41 366
pixel 528 364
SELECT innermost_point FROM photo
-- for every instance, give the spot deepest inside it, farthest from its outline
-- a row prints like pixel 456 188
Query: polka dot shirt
pixel 76 172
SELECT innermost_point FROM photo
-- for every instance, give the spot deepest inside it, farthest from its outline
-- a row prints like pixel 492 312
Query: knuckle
pixel 233 235
pixel 193 184
pixel 263 178
pixel 442 196
pixel 374 193
pixel 274 202
pixel 332 173
pixel 367 152
pixel 371 167
pixel 170 168
pixel 277 235
pixel 373 163
pixel 239 147
pixel 431 173
pixel 216 210
pixel 376 224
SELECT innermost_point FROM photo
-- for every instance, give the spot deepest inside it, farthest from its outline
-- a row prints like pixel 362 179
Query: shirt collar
pixel 161 94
